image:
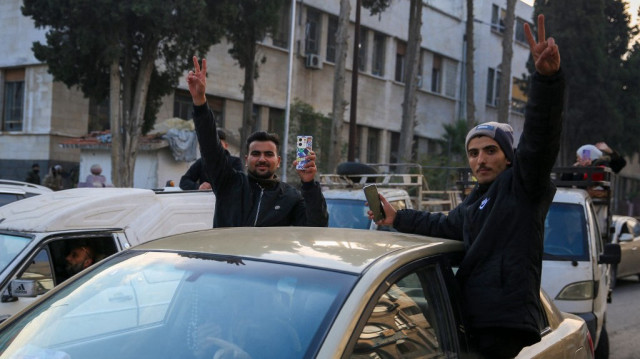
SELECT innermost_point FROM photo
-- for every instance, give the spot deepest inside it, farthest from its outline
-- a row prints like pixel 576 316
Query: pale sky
pixel 633 8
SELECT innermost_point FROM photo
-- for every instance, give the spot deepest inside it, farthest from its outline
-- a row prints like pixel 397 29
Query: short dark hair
pixel 221 134
pixel 263 136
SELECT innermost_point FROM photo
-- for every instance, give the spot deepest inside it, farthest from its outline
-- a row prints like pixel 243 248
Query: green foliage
pixel 306 121
pixel 84 37
pixel 592 59
pixel 376 7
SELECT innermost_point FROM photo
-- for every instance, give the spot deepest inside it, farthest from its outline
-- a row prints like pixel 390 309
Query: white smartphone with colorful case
pixel 304 145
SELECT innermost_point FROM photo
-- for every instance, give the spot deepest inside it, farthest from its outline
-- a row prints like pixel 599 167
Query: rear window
pixel 348 214
pixel 565 233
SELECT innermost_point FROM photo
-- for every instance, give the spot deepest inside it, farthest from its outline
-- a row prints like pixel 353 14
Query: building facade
pixel 38 113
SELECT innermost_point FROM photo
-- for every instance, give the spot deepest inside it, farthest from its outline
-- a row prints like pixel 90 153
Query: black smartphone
pixel 371 192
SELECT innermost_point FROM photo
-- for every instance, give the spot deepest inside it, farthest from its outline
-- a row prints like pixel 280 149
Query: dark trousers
pixel 500 343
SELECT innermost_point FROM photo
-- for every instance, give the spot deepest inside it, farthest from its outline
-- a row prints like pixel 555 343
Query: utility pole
pixel 353 128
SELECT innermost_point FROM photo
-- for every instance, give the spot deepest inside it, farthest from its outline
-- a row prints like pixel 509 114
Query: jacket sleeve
pixel 430 223
pixel 189 181
pixel 617 162
pixel 313 207
pixel 216 165
pixel 540 140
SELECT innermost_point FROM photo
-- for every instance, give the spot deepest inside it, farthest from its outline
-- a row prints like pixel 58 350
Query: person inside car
pixel 257 198
pixel 79 258
pixel 501 222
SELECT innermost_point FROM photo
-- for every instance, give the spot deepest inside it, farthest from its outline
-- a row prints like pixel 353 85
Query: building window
pixel 183 107
pixel 451 77
pixel 401 50
pixel 394 155
pixel 99 115
pixel 436 74
pixel 373 139
pixel 518 95
pixel 520 37
pixel 312 32
pixel 281 34
pixel 493 87
pixel 377 62
pixel 332 32
pixel 362 49
pixel 276 122
pixel 497 18
pixel 12 103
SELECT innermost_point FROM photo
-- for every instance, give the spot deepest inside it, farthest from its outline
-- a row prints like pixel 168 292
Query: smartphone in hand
pixel 371 192
pixel 304 145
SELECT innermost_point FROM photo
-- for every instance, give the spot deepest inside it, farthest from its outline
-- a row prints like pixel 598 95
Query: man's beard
pixel 266 175
pixel 73 269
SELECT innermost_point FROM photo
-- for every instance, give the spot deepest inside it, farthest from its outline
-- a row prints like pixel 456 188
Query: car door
pixel 46 267
pixel 414 315
pixel 630 261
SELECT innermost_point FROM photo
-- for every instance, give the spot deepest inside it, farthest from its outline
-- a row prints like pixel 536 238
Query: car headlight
pixel 578 291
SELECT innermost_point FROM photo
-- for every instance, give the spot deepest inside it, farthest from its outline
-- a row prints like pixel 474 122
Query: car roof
pixel 358 194
pixel 92 208
pixel 25 186
pixel 570 195
pixel 348 250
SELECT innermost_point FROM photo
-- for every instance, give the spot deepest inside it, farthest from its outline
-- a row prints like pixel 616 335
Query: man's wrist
pixel 200 100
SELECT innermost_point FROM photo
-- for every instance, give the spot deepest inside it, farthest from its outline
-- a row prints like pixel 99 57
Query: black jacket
pixel 195 175
pixel 502 224
pixel 241 201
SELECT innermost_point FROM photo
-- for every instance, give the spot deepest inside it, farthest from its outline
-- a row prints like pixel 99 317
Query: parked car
pixel 347 207
pixel 11 191
pixel 626 232
pixel 293 292
pixel 576 262
pixel 37 233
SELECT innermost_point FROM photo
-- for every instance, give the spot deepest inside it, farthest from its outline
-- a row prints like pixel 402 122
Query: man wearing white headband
pixel 501 221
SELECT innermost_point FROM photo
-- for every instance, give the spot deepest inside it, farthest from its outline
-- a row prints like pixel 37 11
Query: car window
pixel 10 247
pixel 40 270
pixel 174 305
pixel 6 198
pixel 565 233
pixel 409 320
pixel 633 227
pixel 348 214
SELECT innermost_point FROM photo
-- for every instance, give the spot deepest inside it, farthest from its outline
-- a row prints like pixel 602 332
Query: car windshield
pixel 565 233
pixel 344 213
pixel 10 247
pixel 176 305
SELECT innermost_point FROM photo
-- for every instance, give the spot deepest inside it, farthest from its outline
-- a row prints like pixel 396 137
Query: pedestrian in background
pixel 53 179
pixel 34 175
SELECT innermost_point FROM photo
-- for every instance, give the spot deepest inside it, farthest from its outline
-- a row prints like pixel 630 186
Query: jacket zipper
pixel 259 202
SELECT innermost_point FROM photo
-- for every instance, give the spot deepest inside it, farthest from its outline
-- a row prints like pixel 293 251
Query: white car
pixel 626 232
pixel 11 191
pixel 276 292
pixel 37 233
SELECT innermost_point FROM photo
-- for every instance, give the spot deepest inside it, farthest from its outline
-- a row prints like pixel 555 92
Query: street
pixel 623 319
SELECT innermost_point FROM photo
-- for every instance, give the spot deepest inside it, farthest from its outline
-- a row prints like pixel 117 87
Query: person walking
pixel 33 176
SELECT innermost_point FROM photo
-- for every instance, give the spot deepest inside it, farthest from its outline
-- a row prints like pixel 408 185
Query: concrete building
pixel 38 113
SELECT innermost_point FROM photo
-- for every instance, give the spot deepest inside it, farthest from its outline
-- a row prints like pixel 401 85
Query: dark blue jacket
pixel 502 223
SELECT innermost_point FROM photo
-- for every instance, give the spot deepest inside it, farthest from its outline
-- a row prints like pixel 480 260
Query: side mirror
pixel 625 237
pixel 26 288
pixel 611 254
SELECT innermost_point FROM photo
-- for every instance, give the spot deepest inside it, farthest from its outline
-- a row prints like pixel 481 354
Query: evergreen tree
pixel 132 52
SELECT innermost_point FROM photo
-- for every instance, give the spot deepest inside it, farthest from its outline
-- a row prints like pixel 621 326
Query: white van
pixel 37 233
pixel 576 262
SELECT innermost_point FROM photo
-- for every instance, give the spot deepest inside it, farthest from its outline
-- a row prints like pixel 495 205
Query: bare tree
pixel 507 55
pixel 339 103
pixel 411 80
pixel 470 72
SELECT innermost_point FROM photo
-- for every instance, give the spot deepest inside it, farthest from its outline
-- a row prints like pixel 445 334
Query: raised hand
pixel 197 81
pixel 545 52
pixel 310 169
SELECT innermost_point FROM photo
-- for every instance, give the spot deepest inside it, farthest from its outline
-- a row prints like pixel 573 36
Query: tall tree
pixel 592 64
pixel 246 23
pixel 411 81
pixel 132 52
pixel 469 68
pixel 339 104
pixel 505 67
